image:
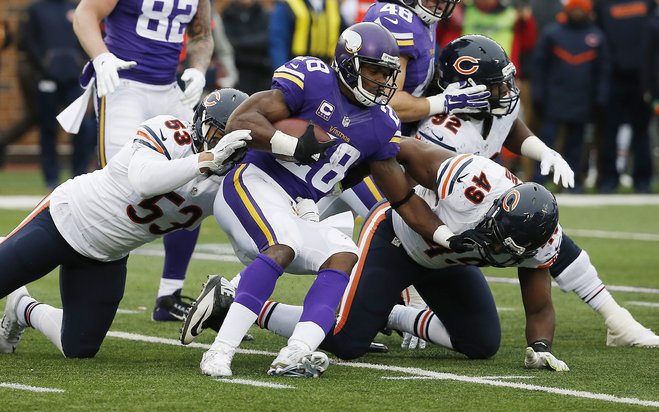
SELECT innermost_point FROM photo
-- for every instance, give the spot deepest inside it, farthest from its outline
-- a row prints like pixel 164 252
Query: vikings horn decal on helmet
pixel 367 44
pixel 519 222
pixel 479 59
pixel 431 11
pixel 214 110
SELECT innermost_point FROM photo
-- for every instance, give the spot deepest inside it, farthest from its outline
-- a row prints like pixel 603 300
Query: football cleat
pixel 210 308
pixel 376 347
pixel 217 362
pixel 296 360
pixel 624 330
pixel 171 307
pixel 11 331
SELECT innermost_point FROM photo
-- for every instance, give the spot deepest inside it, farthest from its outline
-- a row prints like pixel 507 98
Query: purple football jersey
pixel 311 90
pixel 149 32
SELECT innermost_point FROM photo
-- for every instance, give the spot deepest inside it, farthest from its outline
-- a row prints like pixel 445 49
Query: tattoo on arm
pixel 200 41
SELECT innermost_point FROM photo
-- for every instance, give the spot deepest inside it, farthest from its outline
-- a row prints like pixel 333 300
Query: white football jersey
pixel 104 216
pixel 467 186
pixel 466 136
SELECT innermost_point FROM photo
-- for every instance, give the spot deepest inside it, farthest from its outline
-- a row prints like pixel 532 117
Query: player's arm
pixel 390 178
pixel 199 47
pixel 87 24
pixel 522 141
pixel 408 108
pixel 422 160
pixel 535 285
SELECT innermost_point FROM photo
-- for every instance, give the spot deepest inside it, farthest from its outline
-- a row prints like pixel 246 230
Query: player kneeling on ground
pixel 164 180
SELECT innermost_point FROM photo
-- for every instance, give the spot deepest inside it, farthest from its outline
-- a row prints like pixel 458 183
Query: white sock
pixel 609 308
pixel 48 320
pixel 279 318
pixel 169 286
pixel 238 321
pixel 22 304
pixel 308 333
pixel 581 278
pixel 420 323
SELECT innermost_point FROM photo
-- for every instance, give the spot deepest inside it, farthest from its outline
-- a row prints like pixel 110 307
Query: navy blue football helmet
pixel 478 59
pixel 367 44
pixel 431 11
pixel 214 110
pixel 518 223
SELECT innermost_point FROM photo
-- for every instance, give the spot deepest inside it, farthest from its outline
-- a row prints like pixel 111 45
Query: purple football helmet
pixel 367 44
pixel 431 11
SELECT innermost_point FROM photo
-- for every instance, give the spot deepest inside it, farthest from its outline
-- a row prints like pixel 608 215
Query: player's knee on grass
pixel 78 350
pixel 482 345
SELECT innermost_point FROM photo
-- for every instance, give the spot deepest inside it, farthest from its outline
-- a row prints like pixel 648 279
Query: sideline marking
pixel 417 372
pixel 257 383
pixel 29 388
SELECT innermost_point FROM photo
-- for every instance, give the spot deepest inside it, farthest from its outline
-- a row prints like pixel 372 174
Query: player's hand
pixel 551 160
pixel 106 65
pixel 194 85
pixel 224 152
pixel 412 342
pixel 543 360
pixel 308 149
pixel 307 209
pixel 468 240
pixel 460 97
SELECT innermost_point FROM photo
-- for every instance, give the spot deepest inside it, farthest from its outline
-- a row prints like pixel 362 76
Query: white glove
pixel 415 301
pixel 307 209
pixel 106 65
pixel 225 148
pixel 550 160
pixel 543 360
pixel 194 86
pixel 460 97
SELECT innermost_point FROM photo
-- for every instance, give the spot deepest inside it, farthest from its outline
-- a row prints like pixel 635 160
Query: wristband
pixel 442 235
pixel 283 144
pixel 436 103
pixel 533 148
pixel 542 345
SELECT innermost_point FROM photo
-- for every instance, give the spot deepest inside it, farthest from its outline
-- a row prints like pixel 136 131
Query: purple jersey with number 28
pixel 311 90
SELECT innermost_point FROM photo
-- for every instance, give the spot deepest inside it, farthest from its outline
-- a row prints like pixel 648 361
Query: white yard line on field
pixel 648 304
pixel 257 383
pixel 418 372
pixel 515 281
pixel 29 388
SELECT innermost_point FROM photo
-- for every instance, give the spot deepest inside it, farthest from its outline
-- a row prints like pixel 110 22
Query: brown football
pixel 296 128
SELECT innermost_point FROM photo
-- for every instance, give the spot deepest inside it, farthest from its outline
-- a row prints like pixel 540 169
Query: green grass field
pixel 140 367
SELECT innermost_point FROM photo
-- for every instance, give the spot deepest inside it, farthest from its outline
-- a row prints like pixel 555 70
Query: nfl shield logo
pixel 346 121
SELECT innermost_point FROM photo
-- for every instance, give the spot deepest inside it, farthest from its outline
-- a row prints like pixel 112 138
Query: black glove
pixel 468 240
pixel 308 149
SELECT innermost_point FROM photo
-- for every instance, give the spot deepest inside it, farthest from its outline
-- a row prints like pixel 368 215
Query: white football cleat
pixel 11 331
pixel 297 360
pixel 624 330
pixel 210 308
pixel 217 362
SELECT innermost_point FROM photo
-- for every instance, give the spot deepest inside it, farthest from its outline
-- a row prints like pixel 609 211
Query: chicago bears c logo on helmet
pixel 353 41
pixel 466 65
pixel 510 201
pixel 212 99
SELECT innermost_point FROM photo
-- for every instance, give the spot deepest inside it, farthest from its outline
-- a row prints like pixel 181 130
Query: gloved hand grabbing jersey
pixel 106 65
pixel 460 97
pixel 224 150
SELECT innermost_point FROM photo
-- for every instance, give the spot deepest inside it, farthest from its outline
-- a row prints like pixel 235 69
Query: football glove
pixel 468 240
pixel 543 360
pixel 224 150
pixel 308 149
pixel 550 160
pixel 194 85
pixel 106 65
pixel 307 209
pixel 415 301
pixel 460 97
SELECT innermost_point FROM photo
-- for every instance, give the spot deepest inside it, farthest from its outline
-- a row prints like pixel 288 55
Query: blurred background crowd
pixel 599 108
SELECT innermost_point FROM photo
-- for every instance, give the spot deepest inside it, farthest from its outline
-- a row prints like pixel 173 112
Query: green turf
pixel 128 375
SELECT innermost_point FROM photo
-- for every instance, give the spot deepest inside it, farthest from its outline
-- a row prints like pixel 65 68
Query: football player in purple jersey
pixel 134 67
pixel 349 101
